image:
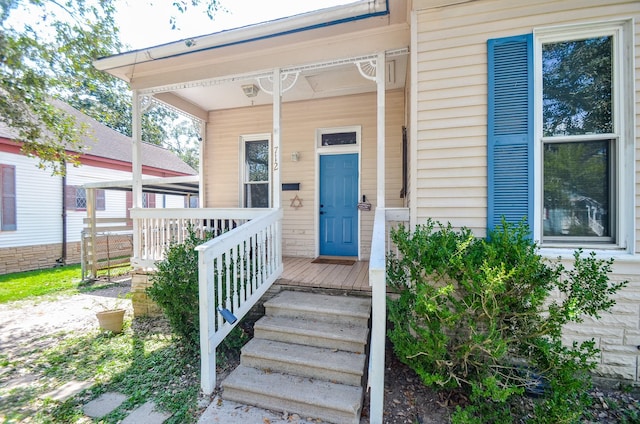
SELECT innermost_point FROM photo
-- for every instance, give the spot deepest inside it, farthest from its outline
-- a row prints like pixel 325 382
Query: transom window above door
pixel 339 139
pixel 343 138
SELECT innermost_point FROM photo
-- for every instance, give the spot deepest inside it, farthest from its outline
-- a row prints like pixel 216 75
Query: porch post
pixel 378 301
pixel 201 191
pixel 136 164
pixel 277 106
pixel 93 237
pixel 381 78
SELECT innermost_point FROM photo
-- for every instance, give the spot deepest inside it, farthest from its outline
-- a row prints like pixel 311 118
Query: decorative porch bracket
pixel 287 82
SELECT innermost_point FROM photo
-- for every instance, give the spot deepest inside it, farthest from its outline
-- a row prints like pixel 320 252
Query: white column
pixel 277 112
pixel 381 64
pixel 136 157
pixel 136 166
pixel 378 298
pixel 203 134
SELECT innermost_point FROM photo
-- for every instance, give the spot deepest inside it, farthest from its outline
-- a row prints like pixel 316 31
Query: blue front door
pixel 339 205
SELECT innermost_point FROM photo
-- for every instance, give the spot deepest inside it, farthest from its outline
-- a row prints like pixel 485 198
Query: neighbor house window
pixel 559 120
pixel 76 198
pixel 255 175
pixel 8 194
pixel 191 201
pixel 148 201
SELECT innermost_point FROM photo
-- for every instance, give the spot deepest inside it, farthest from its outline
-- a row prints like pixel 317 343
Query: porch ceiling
pixel 312 82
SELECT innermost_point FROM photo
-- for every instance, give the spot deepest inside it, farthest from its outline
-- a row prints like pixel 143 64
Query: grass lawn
pixel 61 280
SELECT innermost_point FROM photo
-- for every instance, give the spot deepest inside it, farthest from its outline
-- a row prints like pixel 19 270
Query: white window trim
pixel 624 128
pixel 241 168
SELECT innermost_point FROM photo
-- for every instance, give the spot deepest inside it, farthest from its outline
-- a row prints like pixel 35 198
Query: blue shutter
pixel 510 130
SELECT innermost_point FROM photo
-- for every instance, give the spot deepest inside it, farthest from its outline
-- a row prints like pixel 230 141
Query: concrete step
pixel 307 397
pixel 341 336
pixel 320 307
pixel 332 365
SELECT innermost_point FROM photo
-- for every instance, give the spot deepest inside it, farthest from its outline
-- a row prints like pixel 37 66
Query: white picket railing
pixel 235 270
pixel 384 220
pixel 155 229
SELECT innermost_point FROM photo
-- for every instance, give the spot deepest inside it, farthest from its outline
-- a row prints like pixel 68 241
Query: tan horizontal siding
pixel 300 120
pixel 452 92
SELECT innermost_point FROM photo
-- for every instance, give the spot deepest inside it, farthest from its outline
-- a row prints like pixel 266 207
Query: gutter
pixel 359 10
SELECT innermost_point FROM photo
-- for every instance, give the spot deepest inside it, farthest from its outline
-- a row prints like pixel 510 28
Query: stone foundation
pixel 143 306
pixel 29 258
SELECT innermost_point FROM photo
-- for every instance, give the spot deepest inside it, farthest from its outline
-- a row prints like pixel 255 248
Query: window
pixel 8 194
pixel 148 201
pixel 191 201
pixel 578 140
pixel 557 133
pixel 255 175
pixel 338 139
pixel 343 138
pixel 81 199
pixel 76 198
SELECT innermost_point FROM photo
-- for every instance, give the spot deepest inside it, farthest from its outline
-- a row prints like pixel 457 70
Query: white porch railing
pixel 154 229
pixel 235 270
pixel 384 220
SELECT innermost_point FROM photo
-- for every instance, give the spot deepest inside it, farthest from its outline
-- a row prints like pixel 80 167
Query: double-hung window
pixel 255 172
pixel 560 122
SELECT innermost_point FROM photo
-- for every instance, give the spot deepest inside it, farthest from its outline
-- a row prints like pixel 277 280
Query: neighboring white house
pixel 36 205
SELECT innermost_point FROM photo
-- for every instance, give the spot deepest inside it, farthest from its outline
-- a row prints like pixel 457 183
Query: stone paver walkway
pixel 110 401
pixel 104 404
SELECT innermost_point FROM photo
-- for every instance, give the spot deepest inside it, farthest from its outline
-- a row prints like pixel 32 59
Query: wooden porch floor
pixel 303 273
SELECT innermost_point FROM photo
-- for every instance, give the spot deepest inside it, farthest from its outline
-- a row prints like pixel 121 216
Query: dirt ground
pixel 28 324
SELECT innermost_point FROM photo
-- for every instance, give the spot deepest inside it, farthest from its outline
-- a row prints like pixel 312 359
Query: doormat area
pixel 331 261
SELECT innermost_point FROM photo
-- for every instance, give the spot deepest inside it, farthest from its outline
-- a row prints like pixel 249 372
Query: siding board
pixel 299 123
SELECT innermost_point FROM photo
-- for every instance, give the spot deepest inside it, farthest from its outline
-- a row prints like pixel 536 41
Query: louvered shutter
pixel 151 200
pixel 8 187
pixel 510 130
pixel 128 204
pixel 70 197
pixel 100 200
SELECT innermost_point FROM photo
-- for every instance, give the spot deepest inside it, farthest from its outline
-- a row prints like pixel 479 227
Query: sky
pixel 145 23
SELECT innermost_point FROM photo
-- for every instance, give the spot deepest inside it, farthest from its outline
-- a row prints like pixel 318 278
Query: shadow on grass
pixel 143 363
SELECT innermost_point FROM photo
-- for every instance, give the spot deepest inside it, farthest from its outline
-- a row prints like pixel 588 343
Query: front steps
pixel 307 357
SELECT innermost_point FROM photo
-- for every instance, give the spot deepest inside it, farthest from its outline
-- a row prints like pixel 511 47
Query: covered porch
pixel 271 117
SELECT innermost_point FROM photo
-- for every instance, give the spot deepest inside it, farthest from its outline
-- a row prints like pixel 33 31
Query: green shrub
pixel 175 289
pixel 477 315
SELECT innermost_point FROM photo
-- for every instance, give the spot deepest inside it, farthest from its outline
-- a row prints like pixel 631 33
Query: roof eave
pixel 298 23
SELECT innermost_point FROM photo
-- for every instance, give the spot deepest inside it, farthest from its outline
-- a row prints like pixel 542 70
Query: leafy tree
pixel 50 61
pixel 54 60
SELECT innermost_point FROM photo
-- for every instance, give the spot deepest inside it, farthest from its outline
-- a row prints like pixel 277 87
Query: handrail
pixel 380 245
pixel 235 270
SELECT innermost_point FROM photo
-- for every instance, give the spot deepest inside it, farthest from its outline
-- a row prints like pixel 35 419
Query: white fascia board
pixel 149 181
pixel 353 11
